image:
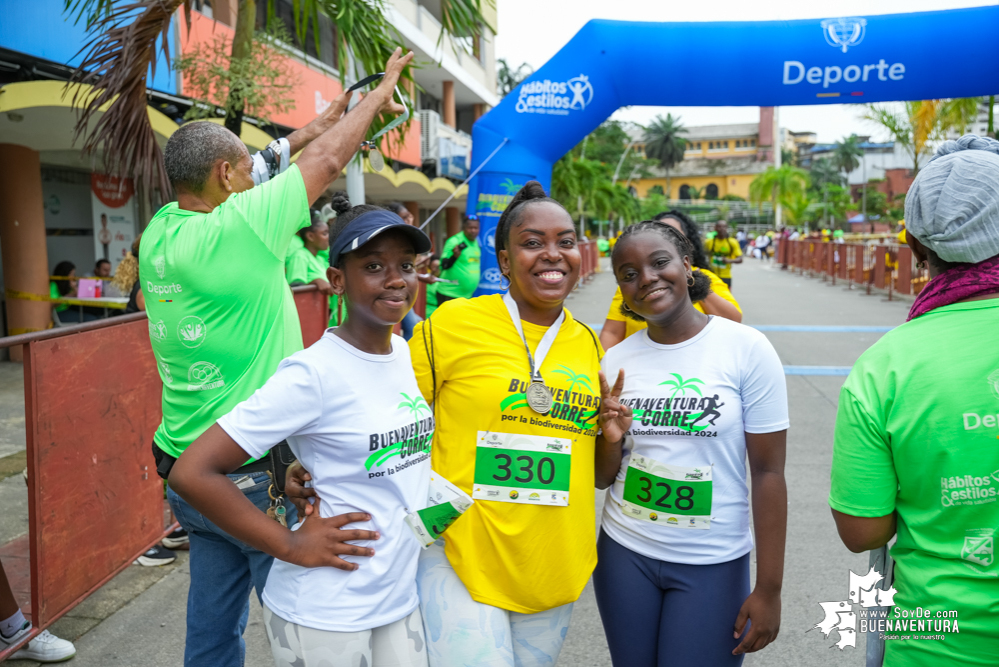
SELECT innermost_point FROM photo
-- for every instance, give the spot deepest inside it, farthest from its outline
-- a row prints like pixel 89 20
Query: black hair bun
pixel 531 190
pixel 340 203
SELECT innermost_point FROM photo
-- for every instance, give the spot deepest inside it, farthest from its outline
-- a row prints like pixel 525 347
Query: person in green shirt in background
pixel 221 319
pixel 460 264
pixel 303 265
pixel 916 452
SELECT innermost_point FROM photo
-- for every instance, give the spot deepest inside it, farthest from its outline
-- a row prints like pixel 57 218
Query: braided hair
pixel 344 214
pixel 702 284
pixel 532 193
pixel 693 234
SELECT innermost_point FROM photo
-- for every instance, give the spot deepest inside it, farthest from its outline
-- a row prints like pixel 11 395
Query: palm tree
pixel 916 124
pixel 574 378
pixel 664 143
pixel 778 185
pixel 679 384
pixel 825 173
pixel 847 154
pixel 126 37
pixel 695 192
pixel 797 207
pixel 508 78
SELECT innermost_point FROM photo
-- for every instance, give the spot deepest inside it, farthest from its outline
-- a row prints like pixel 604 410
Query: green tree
pixel 264 79
pixel 847 154
pixel 508 78
pixel 695 192
pixel 799 208
pixel 916 125
pixel 825 172
pixel 126 35
pixel 664 144
pixel 778 185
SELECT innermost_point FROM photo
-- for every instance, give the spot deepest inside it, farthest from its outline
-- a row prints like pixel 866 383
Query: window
pixel 711 192
pixel 684 192
pixel 717 146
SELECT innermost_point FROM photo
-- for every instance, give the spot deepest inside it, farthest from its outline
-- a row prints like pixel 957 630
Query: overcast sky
pixel 532 31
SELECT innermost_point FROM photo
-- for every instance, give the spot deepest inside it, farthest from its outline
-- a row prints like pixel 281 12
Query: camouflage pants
pixel 399 644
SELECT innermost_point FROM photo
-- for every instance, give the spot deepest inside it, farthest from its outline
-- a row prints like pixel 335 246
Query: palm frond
pixel 115 63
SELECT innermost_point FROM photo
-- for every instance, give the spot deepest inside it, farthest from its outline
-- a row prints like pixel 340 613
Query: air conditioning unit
pixel 430 123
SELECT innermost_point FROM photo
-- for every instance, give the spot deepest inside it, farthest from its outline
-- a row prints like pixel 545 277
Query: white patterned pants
pixel 399 644
pixel 461 631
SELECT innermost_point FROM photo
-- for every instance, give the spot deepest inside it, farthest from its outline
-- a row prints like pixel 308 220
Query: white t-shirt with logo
pixel 360 426
pixel 697 400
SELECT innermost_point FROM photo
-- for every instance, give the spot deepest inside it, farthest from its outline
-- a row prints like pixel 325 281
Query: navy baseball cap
pixel 367 226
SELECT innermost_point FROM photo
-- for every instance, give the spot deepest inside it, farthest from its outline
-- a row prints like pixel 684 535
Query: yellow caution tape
pixel 28 296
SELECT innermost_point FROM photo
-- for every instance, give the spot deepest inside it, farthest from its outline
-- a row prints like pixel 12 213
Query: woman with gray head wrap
pixel 915 453
pixel 952 222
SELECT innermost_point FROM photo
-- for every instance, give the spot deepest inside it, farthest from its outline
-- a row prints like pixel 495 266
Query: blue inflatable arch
pixel 610 64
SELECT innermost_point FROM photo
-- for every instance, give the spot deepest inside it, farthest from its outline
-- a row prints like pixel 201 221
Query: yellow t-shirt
pixel 719 249
pixel 631 326
pixel 519 557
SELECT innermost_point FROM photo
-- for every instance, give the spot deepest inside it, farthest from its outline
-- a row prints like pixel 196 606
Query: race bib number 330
pixel 666 494
pixel 524 469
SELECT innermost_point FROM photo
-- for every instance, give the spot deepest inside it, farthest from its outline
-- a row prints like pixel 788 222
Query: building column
pixel 414 208
pixel 453 220
pixel 450 112
pixel 478 110
pixel 22 240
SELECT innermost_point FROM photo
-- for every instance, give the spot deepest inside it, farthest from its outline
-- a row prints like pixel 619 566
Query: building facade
pixel 54 202
pixel 720 160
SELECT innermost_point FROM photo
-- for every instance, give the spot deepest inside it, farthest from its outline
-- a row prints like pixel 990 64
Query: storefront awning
pixel 406 185
pixel 41 116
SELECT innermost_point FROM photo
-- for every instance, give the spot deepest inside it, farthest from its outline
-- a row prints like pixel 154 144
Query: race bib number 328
pixel 523 469
pixel 666 494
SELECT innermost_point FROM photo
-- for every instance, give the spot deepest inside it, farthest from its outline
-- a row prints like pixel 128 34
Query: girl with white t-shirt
pixel 694 395
pixel 352 412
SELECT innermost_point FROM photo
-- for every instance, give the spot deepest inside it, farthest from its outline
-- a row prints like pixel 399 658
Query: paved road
pixel 147 627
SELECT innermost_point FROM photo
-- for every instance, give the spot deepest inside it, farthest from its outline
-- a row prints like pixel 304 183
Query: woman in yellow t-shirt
pixel 498 588
pixel 719 301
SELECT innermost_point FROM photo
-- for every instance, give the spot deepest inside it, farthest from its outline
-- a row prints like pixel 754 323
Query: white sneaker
pixel 46 647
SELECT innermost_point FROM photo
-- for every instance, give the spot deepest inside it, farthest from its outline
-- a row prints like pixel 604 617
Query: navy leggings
pixel 661 614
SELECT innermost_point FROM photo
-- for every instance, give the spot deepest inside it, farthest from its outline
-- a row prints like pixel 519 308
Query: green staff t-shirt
pixel 465 268
pixel 221 316
pixel 918 433
pixel 302 267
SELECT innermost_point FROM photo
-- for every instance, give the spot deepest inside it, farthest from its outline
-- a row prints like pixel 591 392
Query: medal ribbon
pixel 546 341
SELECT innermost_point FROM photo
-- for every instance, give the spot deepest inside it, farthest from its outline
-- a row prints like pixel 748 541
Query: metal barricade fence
pixel 878 266
pixel 92 403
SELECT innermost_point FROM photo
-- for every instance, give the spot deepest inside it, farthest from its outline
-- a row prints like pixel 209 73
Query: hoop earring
pixel 690 280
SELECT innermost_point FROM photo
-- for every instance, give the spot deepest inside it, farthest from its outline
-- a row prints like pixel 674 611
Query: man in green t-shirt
pixel 460 264
pixel 917 433
pixel 221 319
pixel 724 251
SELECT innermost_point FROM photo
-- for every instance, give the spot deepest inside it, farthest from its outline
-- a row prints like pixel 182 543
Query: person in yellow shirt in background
pixel 514 384
pixel 724 251
pixel 719 302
